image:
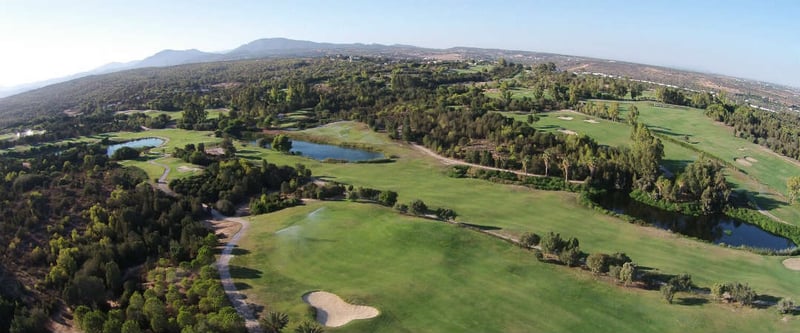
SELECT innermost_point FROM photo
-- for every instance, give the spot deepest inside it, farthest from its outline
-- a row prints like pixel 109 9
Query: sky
pixel 751 39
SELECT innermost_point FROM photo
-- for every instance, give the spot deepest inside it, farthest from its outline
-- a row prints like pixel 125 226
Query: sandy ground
pixel 743 162
pixel 215 151
pixel 592 121
pixel 569 132
pixel 750 159
pixel 184 168
pixel 792 263
pixel 332 311
pixel 565 118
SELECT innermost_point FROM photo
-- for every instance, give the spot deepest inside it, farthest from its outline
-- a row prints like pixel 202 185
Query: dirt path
pixel 450 161
pixel 162 184
pixel 236 298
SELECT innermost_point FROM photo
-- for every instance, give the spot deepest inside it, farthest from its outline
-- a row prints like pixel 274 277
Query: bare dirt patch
pixel 215 151
pixel 333 311
pixel 592 121
pixel 224 229
pixel 565 118
pixel 792 263
pixel 750 159
pixel 184 168
pixel 568 132
pixel 743 162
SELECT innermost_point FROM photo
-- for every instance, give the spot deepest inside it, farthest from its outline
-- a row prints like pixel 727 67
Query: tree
pixel 596 262
pixel 388 198
pixel 309 327
pixel 529 239
pixel 552 243
pixel 547 156
pixel 418 207
pixel 667 292
pixel 131 326
pixel 274 322
pixel 785 305
pixel 125 153
pixel 282 143
pixel 627 273
pixel 681 282
pixel 570 256
pixel 793 188
pixel 633 115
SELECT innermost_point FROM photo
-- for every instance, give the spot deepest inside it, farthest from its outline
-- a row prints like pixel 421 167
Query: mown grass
pixel 764 177
pixel 427 276
pixel 516 209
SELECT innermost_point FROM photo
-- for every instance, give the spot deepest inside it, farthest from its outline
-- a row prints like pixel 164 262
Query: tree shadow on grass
pixel 481 227
pixel 692 301
pixel 237 251
pixel 765 301
pixel 242 286
pixel 239 272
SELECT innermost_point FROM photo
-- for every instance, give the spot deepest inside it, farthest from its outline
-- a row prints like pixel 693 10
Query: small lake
pixel 322 152
pixel 717 229
pixel 141 143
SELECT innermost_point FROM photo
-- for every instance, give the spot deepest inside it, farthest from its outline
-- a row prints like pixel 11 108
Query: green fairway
pixel 427 276
pixel 175 115
pixel 515 209
pixel 604 132
pixel 766 171
pixel 175 138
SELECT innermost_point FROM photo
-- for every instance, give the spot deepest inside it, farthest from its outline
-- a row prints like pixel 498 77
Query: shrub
pixel 597 263
pixel 785 306
pixel 668 292
pixel 529 239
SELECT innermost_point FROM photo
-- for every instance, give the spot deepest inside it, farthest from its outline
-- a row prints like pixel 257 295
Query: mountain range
pixel 772 97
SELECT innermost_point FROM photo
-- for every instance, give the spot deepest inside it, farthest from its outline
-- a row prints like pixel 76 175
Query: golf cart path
pixel 450 161
pixel 236 298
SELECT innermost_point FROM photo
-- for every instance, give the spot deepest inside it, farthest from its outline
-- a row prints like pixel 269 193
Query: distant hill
pixel 172 58
pixel 764 95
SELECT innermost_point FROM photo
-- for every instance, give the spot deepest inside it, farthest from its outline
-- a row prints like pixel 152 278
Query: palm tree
pixel 275 322
pixel 546 157
pixel 309 327
pixel 565 163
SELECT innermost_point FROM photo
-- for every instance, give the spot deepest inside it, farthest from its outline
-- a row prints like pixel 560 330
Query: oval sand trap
pixel 332 311
pixel 792 263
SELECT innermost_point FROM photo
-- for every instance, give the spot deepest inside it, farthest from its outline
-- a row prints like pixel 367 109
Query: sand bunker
pixel 750 159
pixel 792 263
pixel 564 118
pixel 332 311
pixel 743 162
pixel 591 121
pixel 568 132
pixel 184 168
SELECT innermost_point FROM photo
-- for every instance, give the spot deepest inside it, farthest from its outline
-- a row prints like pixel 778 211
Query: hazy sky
pixel 751 39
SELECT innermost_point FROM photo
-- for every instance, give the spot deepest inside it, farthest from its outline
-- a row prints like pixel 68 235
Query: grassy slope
pixel 704 134
pixel 517 210
pixel 429 276
pixel 765 179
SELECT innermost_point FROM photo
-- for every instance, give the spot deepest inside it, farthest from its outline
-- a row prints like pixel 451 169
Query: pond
pixel 718 229
pixel 141 143
pixel 321 152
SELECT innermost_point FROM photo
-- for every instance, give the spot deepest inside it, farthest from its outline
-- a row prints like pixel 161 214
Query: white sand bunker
pixel 564 118
pixel 568 132
pixel 332 311
pixel 792 263
pixel 591 121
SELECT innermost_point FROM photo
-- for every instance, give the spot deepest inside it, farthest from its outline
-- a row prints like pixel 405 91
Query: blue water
pixel 321 152
pixel 718 229
pixel 141 143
